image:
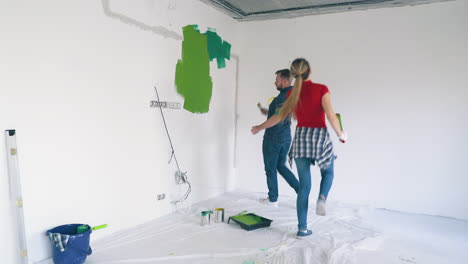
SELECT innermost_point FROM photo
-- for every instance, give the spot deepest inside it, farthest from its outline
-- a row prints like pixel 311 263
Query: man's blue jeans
pixel 305 183
pixel 274 158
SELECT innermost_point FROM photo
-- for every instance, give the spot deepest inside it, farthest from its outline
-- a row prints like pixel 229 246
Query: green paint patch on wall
pixel 193 80
pixel 218 49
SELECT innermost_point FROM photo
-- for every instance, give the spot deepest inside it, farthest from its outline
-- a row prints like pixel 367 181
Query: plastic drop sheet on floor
pixel 347 234
pixel 180 238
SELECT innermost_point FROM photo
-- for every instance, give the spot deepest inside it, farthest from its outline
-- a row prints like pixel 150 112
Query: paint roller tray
pixel 250 221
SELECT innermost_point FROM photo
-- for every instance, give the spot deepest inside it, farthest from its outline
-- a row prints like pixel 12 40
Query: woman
pixel 309 102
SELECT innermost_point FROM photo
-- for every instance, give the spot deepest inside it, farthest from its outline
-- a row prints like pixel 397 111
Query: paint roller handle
pixel 344 136
pixel 84 228
pixel 338 115
pixel 100 227
pixel 242 213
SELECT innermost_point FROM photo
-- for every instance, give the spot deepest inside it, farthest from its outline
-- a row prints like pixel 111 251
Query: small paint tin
pixel 206 217
pixel 219 215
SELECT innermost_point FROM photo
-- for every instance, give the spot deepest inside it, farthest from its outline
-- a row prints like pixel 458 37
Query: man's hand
pixel 262 110
pixel 255 130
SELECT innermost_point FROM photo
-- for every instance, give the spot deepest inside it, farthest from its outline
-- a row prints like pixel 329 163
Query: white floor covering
pixel 347 234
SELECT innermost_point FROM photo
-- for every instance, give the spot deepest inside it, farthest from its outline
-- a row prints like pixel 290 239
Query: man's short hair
pixel 284 74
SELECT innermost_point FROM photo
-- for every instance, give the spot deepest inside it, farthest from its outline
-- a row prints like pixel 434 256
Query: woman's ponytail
pixel 300 70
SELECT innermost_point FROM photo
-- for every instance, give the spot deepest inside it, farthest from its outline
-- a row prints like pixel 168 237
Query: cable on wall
pixel 181 177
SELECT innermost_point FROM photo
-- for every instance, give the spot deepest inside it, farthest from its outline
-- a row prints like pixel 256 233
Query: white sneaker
pixel 266 201
pixel 321 208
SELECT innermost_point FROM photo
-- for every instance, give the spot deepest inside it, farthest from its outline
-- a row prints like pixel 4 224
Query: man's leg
pixel 270 159
pixel 283 170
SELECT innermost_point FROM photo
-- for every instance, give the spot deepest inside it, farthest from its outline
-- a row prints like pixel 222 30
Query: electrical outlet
pixel 171 105
pixel 161 196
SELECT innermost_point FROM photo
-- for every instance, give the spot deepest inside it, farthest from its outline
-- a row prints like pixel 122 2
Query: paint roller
pixel 269 101
pixel 341 124
pixel 83 228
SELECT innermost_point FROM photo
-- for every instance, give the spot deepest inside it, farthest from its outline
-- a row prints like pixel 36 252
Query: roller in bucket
pixel 84 228
pixel 70 243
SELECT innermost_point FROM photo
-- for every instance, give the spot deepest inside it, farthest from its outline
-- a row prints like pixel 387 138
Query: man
pixel 276 142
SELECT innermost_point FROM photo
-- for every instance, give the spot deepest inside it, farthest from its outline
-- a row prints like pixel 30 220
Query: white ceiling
pixel 247 10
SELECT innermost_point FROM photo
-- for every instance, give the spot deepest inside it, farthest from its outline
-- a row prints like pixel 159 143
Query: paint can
pixel 219 215
pixel 205 217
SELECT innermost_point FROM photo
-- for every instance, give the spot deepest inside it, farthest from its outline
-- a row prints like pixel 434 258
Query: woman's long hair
pixel 300 69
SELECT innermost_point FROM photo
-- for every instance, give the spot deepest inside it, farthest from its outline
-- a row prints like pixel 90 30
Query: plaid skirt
pixel 313 143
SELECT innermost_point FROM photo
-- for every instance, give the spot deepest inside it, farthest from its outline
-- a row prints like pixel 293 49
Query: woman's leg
pixel 327 181
pixel 325 185
pixel 302 203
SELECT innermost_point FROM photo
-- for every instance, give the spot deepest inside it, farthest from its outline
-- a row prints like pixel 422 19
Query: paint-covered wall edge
pixel 162 31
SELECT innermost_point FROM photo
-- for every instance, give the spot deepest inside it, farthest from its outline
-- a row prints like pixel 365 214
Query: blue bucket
pixel 77 247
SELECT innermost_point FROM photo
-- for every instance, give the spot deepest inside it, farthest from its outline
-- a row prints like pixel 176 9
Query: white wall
pixel 77 85
pixel 398 76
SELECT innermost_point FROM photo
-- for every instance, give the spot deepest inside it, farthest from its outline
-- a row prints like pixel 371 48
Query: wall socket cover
pixel 171 105
pixel 161 196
